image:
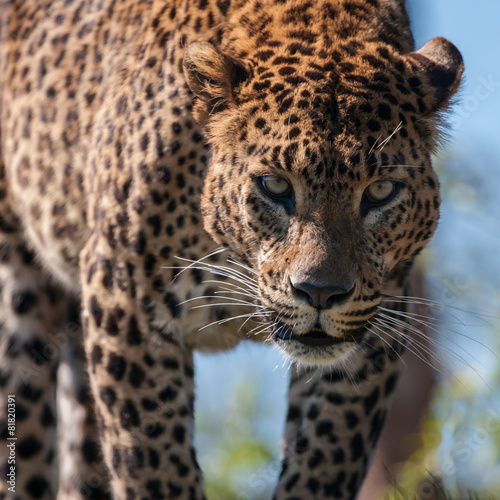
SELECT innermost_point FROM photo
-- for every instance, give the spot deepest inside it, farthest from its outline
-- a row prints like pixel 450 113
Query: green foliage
pixel 459 456
pixel 237 448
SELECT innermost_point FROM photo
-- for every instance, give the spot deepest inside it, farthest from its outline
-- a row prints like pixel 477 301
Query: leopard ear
pixel 440 65
pixel 212 77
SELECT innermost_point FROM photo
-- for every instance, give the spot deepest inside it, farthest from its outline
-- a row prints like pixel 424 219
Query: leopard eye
pixel 276 187
pixel 379 192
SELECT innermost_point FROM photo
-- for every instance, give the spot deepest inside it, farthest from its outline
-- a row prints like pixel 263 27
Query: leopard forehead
pixel 295 114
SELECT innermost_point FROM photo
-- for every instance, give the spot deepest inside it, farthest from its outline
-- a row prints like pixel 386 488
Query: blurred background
pixel 455 451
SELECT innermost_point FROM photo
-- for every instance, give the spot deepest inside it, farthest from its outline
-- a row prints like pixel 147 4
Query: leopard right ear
pixel 212 77
pixel 440 65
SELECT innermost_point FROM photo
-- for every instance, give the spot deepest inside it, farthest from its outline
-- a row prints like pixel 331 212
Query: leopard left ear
pixel 212 77
pixel 440 65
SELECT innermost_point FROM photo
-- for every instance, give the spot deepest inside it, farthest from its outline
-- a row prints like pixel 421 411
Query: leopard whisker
pixel 226 320
pixel 450 354
pixel 223 284
pixel 247 320
pixel 237 302
pixel 231 260
pixel 404 326
pixel 203 297
pixel 413 329
pixel 405 299
pixel 417 351
pixel 217 271
pixel 199 261
pixel 424 317
pixel 444 350
pixel 234 292
pixel 439 329
pixel 205 266
pixel 384 341
pixel 348 370
pixel 230 273
pixel 273 332
pixel 259 327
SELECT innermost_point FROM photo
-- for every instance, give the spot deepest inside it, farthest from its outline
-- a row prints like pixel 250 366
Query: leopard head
pixel 321 177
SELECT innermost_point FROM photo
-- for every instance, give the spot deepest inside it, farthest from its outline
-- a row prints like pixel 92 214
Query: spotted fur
pixel 136 137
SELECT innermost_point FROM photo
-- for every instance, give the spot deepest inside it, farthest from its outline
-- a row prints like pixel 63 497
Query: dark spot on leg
pixel 24 301
pixel 116 366
pixel 129 417
pixel 108 397
pixel 90 450
pixel 96 311
pixel 47 418
pixel 29 447
pixel 37 487
pixel 179 433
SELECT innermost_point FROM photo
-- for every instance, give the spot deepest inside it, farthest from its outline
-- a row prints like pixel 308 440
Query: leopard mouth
pixel 313 338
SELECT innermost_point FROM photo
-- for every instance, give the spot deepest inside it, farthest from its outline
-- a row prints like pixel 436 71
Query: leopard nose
pixel 322 295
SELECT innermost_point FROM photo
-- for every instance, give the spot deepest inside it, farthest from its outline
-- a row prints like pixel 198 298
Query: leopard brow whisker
pixel 373 147
pixel 400 165
pixel 384 143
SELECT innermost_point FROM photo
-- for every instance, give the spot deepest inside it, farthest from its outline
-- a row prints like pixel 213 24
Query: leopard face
pixel 321 180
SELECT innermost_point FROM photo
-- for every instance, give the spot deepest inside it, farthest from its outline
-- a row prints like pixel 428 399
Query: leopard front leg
pixel 31 340
pixel 141 377
pixel 333 424
pixel 82 475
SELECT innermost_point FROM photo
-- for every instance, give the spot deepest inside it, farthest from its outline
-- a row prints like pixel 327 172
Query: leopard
pixel 185 175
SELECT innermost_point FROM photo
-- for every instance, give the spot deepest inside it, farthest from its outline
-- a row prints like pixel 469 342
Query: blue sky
pixel 474 27
pixel 468 239
pixel 466 247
